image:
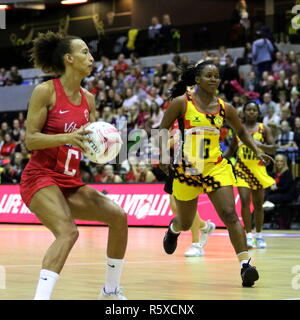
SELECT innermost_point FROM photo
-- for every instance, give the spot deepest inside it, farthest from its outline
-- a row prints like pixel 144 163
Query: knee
pixel 258 204
pixel 229 216
pixel 68 234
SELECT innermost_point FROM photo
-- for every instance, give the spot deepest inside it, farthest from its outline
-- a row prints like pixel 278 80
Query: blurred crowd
pixel 132 96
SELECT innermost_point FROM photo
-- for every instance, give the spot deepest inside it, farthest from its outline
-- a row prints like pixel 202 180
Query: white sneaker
pixel 116 295
pixel 268 204
pixel 251 243
pixel 196 250
pixel 261 243
pixel 205 233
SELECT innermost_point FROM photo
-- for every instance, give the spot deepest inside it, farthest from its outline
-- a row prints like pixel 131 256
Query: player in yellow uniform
pixel 201 169
pixel 252 176
pixel 205 227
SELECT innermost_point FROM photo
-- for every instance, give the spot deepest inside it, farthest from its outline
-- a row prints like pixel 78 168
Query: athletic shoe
pixel 196 250
pixel 261 243
pixel 268 205
pixel 116 295
pixel 249 275
pixel 170 240
pixel 205 233
pixel 251 243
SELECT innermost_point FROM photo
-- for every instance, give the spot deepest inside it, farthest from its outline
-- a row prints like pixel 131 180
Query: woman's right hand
pixel 77 138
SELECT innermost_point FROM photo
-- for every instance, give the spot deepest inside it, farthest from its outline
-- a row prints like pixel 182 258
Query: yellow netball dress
pixel 250 171
pixel 198 165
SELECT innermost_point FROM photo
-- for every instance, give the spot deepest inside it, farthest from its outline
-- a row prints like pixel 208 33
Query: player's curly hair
pixel 188 75
pixel 48 52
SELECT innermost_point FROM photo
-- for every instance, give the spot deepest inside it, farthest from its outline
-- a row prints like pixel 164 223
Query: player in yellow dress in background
pixel 251 174
pixel 202 169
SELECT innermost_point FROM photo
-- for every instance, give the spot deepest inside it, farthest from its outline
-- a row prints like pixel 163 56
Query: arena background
pixel 115 27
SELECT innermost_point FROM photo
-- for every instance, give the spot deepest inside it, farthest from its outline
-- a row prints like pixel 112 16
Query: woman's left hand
pixel 266 160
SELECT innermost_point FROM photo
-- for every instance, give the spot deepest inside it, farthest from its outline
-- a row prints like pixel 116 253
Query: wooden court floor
pixel 150 274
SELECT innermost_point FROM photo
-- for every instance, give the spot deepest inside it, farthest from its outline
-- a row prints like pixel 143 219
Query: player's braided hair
pixel 48 52
pixel 188 75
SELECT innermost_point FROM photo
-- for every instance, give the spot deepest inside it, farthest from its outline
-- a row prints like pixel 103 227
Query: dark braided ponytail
pixel 188 76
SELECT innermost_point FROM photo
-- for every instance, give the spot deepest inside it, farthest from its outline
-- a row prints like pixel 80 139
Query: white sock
pixel 205 227
pixel 172 229
pixel 249 235
pixel 113 274
pixel 259 235
pixel 45 285
pixel 242 262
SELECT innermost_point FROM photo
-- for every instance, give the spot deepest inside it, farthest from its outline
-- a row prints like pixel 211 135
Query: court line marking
pixel 216 234
pixel 196 259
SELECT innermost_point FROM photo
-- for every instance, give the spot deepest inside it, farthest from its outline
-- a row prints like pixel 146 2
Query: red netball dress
pixel 59 165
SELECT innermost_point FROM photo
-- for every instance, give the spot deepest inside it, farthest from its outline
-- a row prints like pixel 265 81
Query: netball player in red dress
pixel 51 187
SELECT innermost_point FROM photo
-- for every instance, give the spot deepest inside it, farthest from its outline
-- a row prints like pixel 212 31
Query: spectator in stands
pixel 109 176
pixel 107 114
pixel 117 101
pixel 21 119
pixel 292 58
pixel 169 83
pixel 286 143
pixel 269 86
pixel 121 65
pixel 252 83
pixel 267 103
pixel 132 116
pixel 262 50
pixel 157 115
pixel 107 66
pixel 153 96
pixel 130 99
pixel 134 59
pixel 16 131
pixel 16 168
pixel 14 77
pixel 166 32
pixel 283 103
pixel 3 77
pixel 101 100
pixel 297 131
pixel 120 120
pixel 21 146
pixel 294 69
pixel 295 103
pixel 154 35
pixel 286 116
pixel 144 115
pixel 230 72
pixel 271 117
pixel 294 84
pixel 280 63
pixel 4 129
pixel 8 147
pixel 140 172
pixel 222 52
pixel 282 191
